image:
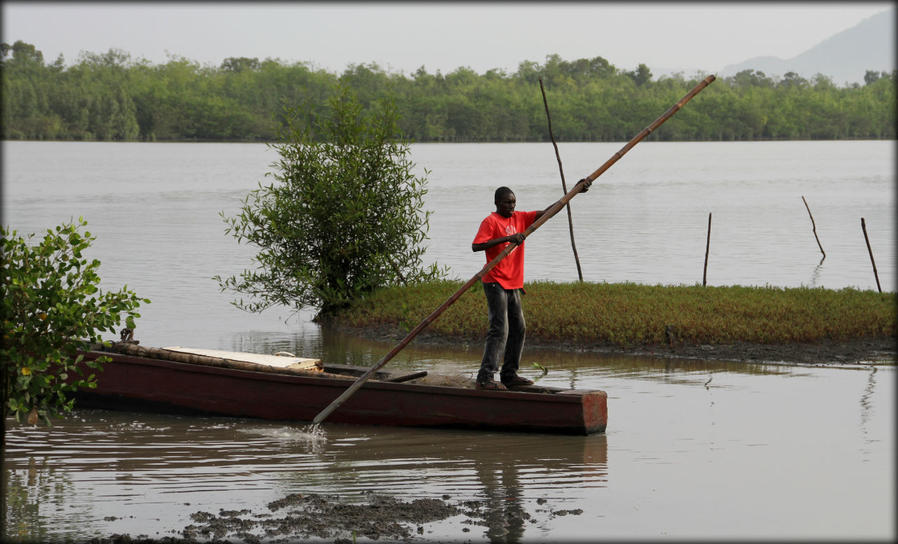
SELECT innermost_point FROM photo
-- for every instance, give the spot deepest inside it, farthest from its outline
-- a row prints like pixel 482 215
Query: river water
pixel 692 450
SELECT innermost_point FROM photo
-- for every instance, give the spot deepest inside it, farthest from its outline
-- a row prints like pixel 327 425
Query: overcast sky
pixel 401 37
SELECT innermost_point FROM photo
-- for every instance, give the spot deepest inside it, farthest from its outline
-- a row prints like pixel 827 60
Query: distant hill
pixel 844 57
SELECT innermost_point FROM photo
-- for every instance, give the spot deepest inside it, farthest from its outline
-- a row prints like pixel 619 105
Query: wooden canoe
pixel 156 379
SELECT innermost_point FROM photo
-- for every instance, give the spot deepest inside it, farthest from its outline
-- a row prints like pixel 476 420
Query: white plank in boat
pixel 279 361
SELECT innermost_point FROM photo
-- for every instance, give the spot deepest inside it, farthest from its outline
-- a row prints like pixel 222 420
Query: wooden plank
pixel 200 360
pixel 278 361
pixel 408 377
pixel 382 375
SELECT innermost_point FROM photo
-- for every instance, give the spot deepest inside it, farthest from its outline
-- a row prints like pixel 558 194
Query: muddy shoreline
pixel 343 519
pixel 825 352
pixel 862 351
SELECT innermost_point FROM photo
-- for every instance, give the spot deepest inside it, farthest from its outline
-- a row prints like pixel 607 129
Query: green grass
pixel 627 314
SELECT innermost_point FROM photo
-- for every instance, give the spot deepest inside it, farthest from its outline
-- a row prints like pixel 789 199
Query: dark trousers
pixel 505 337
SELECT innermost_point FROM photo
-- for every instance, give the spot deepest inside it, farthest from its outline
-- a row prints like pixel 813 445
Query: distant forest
pixel 109 97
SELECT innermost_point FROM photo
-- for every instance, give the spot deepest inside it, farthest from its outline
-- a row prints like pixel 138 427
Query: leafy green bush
pixel 342 217
pixel 52 307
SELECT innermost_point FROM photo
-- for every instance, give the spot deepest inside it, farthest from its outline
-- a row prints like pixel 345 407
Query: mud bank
pixel 343 519
pixel 863 351
pixel 857 351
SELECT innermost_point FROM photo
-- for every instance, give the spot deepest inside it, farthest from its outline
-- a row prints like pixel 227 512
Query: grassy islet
pixel 629 315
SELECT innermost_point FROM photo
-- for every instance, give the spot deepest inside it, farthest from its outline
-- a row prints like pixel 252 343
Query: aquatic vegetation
pixel 629 314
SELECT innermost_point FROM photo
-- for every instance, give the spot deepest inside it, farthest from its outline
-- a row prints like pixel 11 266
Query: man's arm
pixel 519 237
pixel 516 238
pixel 583 190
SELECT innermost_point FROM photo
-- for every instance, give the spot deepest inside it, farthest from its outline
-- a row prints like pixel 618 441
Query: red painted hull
pixel 132 382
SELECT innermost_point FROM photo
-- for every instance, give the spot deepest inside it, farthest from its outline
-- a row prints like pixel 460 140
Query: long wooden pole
pixel 547 214
pixel 570 219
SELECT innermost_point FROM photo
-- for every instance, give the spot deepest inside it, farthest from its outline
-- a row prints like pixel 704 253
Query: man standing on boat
pixel 503 285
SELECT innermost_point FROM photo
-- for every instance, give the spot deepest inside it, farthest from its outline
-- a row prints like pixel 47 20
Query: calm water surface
pixel 154 208
pixel 693 449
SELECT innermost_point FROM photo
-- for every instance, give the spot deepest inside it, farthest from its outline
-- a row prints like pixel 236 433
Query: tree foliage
pixel 342 216
pixel 52 307
pixel 112 97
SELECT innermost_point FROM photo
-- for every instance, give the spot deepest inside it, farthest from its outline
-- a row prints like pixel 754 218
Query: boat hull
pixel 141 383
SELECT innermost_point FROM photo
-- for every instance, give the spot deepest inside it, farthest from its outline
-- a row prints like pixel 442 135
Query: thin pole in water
pixel 870 251
pixel 570 220
pixel 707 247
pixel 814 228
pixel 547 214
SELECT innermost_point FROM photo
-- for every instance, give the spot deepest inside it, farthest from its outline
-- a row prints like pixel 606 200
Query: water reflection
pixel 24 491
pixel 566 368
pixel 127 473
pixel 507 481
pixel 504 516
pixel 866 404
pixel 815 276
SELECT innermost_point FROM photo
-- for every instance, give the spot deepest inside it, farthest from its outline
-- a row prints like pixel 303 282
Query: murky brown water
pixel 693 449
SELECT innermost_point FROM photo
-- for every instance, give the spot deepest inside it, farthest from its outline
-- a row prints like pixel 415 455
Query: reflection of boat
pixel 232 384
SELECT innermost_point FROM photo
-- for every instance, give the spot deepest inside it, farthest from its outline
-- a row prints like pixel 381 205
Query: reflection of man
pixel 503 285
pixel 504 514
pixel 579 462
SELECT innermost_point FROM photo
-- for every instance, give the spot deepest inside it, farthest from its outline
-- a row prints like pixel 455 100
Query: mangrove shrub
pixel 52 307
pixel 342 216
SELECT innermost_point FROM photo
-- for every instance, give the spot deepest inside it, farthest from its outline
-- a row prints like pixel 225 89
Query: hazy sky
pixel 401 37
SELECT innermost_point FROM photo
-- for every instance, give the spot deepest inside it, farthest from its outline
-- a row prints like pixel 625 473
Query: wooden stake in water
pixel 548 213
pixel 870 251
pixel 814 227
pixel 570 220
pixel 707 247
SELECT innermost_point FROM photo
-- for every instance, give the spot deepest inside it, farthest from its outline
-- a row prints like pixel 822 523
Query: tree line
pixel 111 97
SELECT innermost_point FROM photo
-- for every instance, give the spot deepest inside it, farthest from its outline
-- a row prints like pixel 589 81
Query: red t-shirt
pixel 509 273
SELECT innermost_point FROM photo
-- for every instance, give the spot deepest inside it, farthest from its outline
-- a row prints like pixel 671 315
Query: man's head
pixel 505 201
